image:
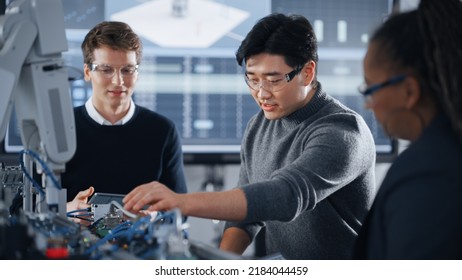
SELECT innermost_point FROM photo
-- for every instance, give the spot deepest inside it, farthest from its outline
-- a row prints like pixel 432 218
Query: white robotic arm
pixel 34 79
pixel 17 36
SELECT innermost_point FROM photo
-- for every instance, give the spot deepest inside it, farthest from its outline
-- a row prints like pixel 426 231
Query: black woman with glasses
pixel 307 161
pixel 413 73
pixel 120 145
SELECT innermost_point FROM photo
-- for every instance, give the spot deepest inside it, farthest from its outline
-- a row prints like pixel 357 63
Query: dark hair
pixel 291 36
pixel 428 42
pixel 113 34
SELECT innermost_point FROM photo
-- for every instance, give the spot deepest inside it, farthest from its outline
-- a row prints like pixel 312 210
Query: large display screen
pixel 189 73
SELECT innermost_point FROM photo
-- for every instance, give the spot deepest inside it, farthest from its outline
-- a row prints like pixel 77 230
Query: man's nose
pixel 118 79
pixel 263 93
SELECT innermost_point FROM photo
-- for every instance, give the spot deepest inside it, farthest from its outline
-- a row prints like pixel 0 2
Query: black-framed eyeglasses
pixel 108 71
pixel 276 83
pixel 367 91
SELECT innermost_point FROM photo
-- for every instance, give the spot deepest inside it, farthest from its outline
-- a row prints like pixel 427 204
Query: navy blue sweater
pixel 116 159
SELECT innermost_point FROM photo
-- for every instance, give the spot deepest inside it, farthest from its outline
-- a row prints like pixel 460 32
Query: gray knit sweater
pixel 309 178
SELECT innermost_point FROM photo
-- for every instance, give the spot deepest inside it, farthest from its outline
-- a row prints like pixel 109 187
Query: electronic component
pixel 105 198
pixel 12 179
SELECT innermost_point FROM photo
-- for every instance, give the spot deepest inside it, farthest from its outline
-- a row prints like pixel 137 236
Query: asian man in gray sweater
pixel 307 161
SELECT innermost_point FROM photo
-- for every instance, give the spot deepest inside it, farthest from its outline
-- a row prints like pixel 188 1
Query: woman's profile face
pixel 389 94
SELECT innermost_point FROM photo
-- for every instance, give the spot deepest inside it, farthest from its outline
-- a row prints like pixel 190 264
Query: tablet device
pixel 106 198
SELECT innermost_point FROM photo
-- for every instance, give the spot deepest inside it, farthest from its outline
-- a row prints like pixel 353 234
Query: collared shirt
pixel 101 120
